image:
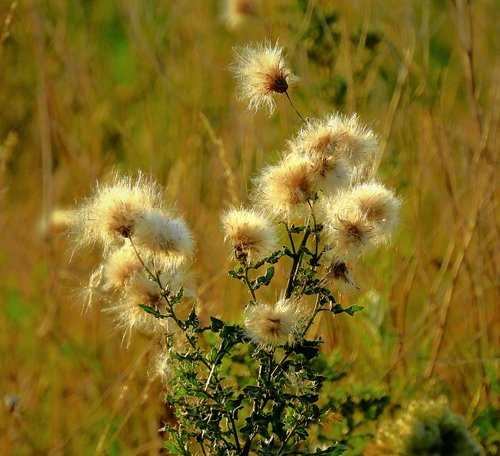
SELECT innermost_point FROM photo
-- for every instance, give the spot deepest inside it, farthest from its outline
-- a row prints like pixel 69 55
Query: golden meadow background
pixel 94 87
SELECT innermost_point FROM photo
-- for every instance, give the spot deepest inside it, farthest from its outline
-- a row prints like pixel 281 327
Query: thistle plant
pixel 425 428
pixel 254 386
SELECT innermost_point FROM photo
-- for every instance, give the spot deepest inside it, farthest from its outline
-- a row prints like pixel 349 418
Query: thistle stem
pixel 249 285
pixel 296 263
pixel 294 108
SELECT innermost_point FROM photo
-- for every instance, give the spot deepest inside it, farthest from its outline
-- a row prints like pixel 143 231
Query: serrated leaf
pixel 152 311
pixel 172 448
pixel 273 259
pixel 353 309
pixel 265 279
pixel 216 324
pixel 233 274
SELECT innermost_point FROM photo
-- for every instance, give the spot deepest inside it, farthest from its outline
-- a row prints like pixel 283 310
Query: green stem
pixel 316 234
pixel 249 284
pixel 235 432
pixel 297 259
pixel 290 237
pixel 294 108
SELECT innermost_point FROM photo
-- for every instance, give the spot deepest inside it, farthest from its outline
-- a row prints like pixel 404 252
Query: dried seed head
pixel 237 11
pixel 379 205
pixel 163 367
pixel 120 266
pixel 338 274
pixel 271 326
pixel 347 230
pixel 58 222
pixel 251 234
pixel 110 215
pixel 329 174
pixel 130 316
pixel 261 71
pixel 284 188
pixel 339 136
pixel 160 234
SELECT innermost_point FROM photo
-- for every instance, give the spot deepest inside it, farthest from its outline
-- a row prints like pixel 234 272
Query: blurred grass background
pixel 93 87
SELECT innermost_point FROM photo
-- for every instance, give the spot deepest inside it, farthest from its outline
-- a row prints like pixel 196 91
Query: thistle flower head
pixel 142 290
pixel 250 233
pixel 120 266
pixel 379 206
pixel 162 235
pixel 261 72
pixel 329 174
pixel 237 11
pixel 284 188
pixel 111 214
pixel 426 428
pixel 275 325
pixel 338 274
pixel 338 136
pixel 129 314
pixel 347 230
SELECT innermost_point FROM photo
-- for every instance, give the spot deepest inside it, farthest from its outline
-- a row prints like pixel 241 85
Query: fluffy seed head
pixel 250 233
pixel 237 11
pixel 110 215
pixel 338 136
pixel 338 274
pixel 330 174
pixel 120 266
pixel 379 205
pixel 359 218
pixel 161 234
pixel 271 326
pixel 130 316
pixel 284 187
pixel 347 230
pixel 260 71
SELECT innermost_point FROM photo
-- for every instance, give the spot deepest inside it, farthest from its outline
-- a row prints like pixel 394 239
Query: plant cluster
pixel 250 388
pixel 425 428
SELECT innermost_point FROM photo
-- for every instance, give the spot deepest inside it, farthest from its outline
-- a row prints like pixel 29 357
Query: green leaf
pixel 265 279
pixel 296 229
pixel 152 311
pixel 233 274
pixel 330 451
pixel 192 319
pixel 172 448
pixel 353 309
pixel 216 324
pixel 254 392
pixel 273 259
